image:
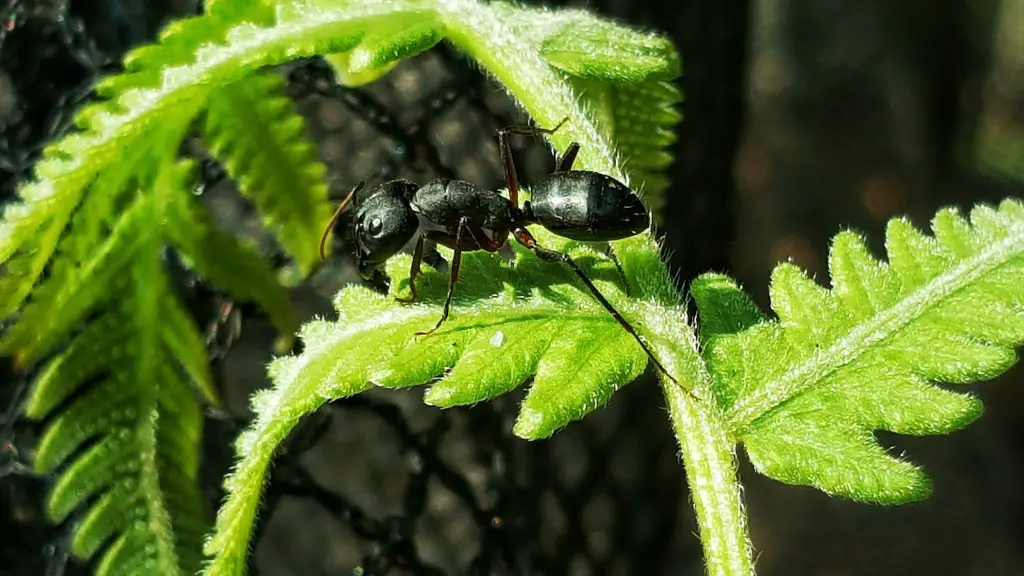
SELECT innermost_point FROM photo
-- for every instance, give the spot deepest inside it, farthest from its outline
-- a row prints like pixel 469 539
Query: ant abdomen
pixel 587 206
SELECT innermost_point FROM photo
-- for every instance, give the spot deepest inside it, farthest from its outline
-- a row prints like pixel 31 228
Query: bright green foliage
pixel 123 414
pixel 255 130
pixel 624 77
pixel 383 47
pixel 121 397
pixel 531 317
pixel 511 320
pixel 587 46
pixel 84 287
pixel 804 394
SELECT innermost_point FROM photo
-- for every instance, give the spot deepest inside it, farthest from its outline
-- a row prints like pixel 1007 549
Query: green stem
pixel 490 34
pixel 711 473
pixel 487 33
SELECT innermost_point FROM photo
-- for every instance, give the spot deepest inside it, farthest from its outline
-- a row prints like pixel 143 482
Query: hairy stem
pixel 490 36
pixel 711 473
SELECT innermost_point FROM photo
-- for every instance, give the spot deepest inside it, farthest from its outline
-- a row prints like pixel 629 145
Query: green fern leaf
pixel 256 131
pixel 805 393
pixel 623 76
pixel 129 435
pixel 384 47
pixel 509 321
pixel 123 358
pixel 133 103
pixel 587 46
pixel 221 258
pixel 161 82
pixel 88 260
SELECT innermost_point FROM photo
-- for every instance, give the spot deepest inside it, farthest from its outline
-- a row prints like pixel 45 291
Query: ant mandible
pixel 576 204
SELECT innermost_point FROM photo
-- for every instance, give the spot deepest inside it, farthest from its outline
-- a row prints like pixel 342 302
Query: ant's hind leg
pixel 414 270
pixel 524 237
pixel 534 131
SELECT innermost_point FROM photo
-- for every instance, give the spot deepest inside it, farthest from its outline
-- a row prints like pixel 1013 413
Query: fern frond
pixel 384 47
pixel 257 133
pixel 91 302
pixel 88 262
pixel 109 130
pixel 635 104
pixel 165 83
pixel 106 437
pixel 123 420
pixel 237 268
pixel 805 393
pixel 507 323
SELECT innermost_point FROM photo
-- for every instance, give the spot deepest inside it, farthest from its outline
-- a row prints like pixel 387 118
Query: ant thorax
pixel 442 204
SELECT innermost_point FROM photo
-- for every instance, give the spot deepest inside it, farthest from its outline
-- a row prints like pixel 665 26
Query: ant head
pixel 384 224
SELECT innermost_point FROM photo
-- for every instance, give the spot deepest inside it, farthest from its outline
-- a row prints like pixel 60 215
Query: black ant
pixel 576 204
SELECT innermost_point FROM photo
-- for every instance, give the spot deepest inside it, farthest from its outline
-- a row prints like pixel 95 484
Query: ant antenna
pixel 335 216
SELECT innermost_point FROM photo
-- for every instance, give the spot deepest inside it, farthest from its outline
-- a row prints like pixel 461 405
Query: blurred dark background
pixel 801 118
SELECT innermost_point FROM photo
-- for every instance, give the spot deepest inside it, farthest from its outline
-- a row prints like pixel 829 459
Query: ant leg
pixel 524 237
pixel 532 130
pixel 509 165
pixel 567 160
pixel 414 270
pixel 453 278
pixel 610 253
pixel 507 162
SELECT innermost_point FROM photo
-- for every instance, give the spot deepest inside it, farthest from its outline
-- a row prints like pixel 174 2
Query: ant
pixel 576 204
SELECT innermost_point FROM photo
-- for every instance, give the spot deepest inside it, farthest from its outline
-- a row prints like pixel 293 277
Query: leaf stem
pixel 711 473
pixel 488 32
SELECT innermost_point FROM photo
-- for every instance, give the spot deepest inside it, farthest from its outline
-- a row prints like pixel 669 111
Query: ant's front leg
pixel 524 237
pixel 414 270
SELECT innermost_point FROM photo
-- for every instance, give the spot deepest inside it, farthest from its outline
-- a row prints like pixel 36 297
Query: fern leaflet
pixel 804 394
pixel 635 103
pixel 508 323
pixel 256 131
pixel 114 393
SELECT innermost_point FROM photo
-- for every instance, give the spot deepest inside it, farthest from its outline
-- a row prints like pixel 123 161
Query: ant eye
pixel 374 226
